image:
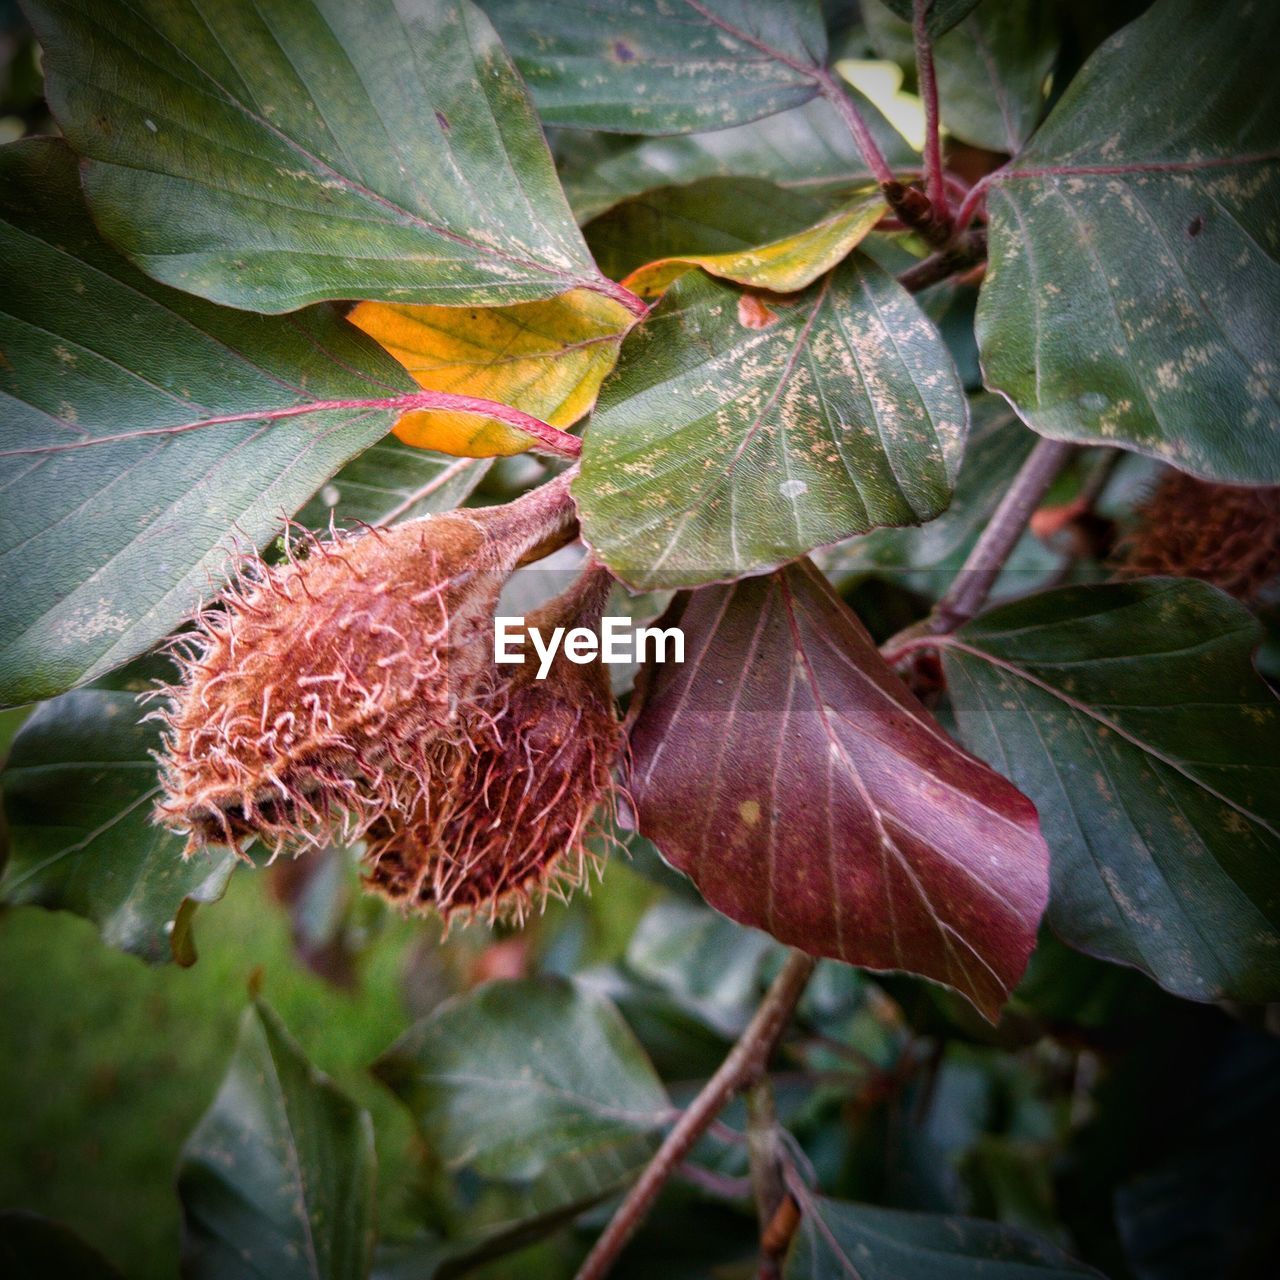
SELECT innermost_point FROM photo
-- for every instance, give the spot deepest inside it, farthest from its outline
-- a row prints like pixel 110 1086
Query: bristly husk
pixel 506 820
pixel 1227 535
pixel 313 692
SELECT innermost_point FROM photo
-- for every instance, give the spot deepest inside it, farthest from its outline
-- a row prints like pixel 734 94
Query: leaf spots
pixel 88 622
pixel 443 121
pixel 623 52
pixel 1165 238
pixel 842 413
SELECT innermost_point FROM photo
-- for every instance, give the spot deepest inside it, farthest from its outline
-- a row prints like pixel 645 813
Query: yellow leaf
pixel 782 266
pixel 546 359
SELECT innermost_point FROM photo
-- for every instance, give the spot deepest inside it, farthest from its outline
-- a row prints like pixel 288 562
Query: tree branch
pixel 744 1064
pixel 764 1145
pixel 967 252
pixel 912 207
pixel 971 586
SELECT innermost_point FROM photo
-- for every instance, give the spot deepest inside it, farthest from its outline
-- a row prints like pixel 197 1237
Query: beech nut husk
pixel 314 695
pixel 506 820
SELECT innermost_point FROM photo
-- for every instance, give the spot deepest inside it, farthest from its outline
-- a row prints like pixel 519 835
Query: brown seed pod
pixel 312 692
pixel 1224 534
pixel 504 823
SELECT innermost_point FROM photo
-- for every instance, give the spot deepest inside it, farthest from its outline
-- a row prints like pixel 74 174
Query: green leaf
pixel 942 14
pixel 702 959
pixel 791 775
pixel 808 147
pixel 144 432
pixel 277 1181
pixel 736 434
pixel 34 1248
pixel 739 229
pixel 679 1039
pixel 538 1083
pixel 840 1239
pixel 394 480
pixel 78 789
pixel 991 67
pixel 645 66
pixel 1132 715
pixel 1135 248
pixel 267 155
pixel 998 445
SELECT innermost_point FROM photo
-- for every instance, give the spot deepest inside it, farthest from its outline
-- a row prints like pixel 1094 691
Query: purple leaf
pixel 787 770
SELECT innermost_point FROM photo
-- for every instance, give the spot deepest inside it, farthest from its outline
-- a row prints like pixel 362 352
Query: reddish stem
pixel 621 294
pixel 550 439
pixel 969 205
pixel 894 652
pixel 847 109
pixel 935 186
pixel 1008 174
pixel 973 582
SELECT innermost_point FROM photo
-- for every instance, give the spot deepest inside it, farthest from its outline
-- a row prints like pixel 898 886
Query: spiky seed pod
pixel 312 692
pixel 506 821
pixel 1224 534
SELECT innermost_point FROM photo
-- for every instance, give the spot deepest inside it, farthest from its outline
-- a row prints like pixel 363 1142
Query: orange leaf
pixel 546 359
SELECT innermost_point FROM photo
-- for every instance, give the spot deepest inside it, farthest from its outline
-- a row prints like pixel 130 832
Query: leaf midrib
pixel 1178 766
pixel 321 166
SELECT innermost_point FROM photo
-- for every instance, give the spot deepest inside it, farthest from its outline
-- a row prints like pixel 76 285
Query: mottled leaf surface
pixel 277 1181
pixel 991 67
pixel 808 147
pixel 536 1083
pixel 1131 295
pixel 141 431
pixel 740 229
pixel 653 66
pixel 998 444
pixel 792 776
pixel 271 153
pixel 545 358
pixel 1133 717
pixel 737 432
pixel 865 1242
pixel 79 785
